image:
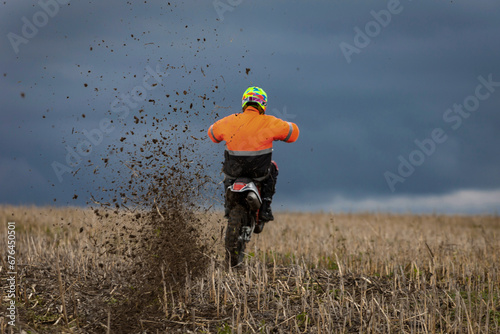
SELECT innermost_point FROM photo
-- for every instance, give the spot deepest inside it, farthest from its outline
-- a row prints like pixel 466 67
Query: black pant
pixel 268 185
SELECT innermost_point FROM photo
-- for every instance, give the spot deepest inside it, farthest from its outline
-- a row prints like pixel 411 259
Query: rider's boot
pixel 265 212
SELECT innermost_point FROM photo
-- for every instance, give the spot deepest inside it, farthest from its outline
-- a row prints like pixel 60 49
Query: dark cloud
pixel 356 118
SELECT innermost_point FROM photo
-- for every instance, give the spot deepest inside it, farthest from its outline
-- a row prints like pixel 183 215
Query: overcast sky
pixel 398 102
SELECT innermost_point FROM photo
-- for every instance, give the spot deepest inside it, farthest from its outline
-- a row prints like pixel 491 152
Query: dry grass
pixel 306 273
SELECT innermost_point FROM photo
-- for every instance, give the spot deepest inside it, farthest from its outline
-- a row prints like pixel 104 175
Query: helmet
pixel 255 96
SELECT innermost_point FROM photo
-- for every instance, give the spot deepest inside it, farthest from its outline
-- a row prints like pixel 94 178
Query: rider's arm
pixel 285 131
pixel 213 134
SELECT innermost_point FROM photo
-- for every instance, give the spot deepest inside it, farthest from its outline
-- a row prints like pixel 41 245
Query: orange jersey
pixel 250 133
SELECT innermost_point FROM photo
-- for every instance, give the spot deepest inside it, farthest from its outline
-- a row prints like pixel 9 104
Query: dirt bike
pixel 243 200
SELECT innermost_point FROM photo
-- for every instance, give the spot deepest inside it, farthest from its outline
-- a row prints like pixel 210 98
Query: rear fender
pixel 247 186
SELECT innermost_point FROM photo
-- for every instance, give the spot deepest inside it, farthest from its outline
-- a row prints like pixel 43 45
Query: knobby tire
pixel 234 248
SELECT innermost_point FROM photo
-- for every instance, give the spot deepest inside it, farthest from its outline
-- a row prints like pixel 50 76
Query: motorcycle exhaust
pixel 253 201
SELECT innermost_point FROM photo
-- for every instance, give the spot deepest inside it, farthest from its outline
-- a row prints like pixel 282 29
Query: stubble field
pixel 306 273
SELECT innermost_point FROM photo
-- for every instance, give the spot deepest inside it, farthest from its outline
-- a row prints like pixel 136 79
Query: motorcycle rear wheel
pixel 234 246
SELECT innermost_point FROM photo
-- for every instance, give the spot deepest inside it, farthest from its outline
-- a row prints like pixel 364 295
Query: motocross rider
pixel 249 137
